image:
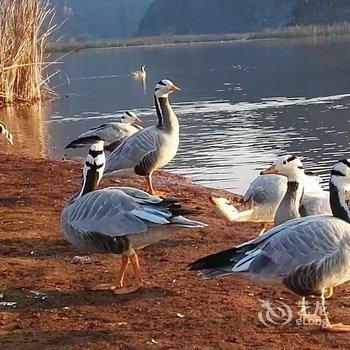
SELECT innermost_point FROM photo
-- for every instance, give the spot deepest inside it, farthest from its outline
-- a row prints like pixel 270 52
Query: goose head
pixel 130 117
pixel 94 167
pixel 8 135
pixel 339 188
pixel 289 166
pixel 143 68
pixel 164 88
pixel 340 174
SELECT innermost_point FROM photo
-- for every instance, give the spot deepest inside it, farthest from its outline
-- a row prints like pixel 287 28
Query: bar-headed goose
pixel 7 134
pixel 119 220
pixel 152 148
pixel 140 74
pixel 308 255
pixel 294 203
pixel 113 134
pixel 266 193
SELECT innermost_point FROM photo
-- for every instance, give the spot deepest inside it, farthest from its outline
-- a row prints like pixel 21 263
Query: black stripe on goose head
pixel 337 187
pixel 336 173
pixel 310 173
pixel 291 158
pixel 346 162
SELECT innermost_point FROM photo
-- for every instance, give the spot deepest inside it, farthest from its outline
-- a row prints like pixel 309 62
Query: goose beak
pixel 175 88
pixel 271 170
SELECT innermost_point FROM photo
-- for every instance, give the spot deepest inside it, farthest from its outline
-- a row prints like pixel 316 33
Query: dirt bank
pixel 176 311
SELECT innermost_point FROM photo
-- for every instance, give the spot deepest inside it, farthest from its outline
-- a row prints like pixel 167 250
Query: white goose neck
pixel 166 116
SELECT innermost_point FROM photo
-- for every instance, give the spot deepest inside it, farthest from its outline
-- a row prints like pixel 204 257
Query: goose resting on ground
pixel 264 196
pixel 152 148
pixel 140 74
pixel 119 220
pixel 113 134
pixel 309 255
pixel 7 134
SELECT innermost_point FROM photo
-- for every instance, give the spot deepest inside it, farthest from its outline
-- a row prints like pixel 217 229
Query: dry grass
pixel 25 26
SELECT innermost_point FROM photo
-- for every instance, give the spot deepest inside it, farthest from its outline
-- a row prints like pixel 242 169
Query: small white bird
pixel 113 134
pixel 140 74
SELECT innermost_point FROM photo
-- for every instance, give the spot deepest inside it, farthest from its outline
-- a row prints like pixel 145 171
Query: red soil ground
pixel 217 314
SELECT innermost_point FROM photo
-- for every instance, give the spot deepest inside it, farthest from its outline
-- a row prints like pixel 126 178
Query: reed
pixel 25 26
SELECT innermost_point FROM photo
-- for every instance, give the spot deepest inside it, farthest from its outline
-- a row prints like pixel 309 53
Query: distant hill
pixel 213 16
pixel 99 19
pixel 320 12
pixel 120 19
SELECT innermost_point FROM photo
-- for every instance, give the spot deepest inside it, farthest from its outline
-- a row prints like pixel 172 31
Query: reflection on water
pixel 28 128
pixel 241 104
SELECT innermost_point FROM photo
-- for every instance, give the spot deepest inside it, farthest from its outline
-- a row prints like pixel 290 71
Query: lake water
pixel 241 104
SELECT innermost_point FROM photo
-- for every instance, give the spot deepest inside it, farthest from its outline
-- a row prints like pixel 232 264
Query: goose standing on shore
pixel 113 134
pixel 140 74
pixel 264 196
pixel 152 148
pixel 309 255
pixel 7 134
pixel 119 220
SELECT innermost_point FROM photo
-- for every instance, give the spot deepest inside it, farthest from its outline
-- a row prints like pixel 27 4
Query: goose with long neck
pixel 151 148
pixel 275 199
pixel 167 119
pixel 308 255
pixel 113 134
pixel 7 134
pixel 119 220
pixel 295 202
pixel 292 168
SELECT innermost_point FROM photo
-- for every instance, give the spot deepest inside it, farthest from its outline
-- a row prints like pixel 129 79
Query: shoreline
pixel 214 314
pixel 295 32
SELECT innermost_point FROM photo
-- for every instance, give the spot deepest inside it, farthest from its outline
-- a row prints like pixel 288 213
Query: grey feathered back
pixel 100 220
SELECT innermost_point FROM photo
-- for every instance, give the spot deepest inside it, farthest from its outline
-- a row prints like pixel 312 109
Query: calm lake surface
pixel 241 104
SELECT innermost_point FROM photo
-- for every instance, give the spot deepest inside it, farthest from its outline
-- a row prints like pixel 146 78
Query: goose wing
pixel 140 148
pixel 312 183
pixel 112 212
pixel 110 133
pixel 316 203
pixel 280 251
pixel 267 189
pixel 271 188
